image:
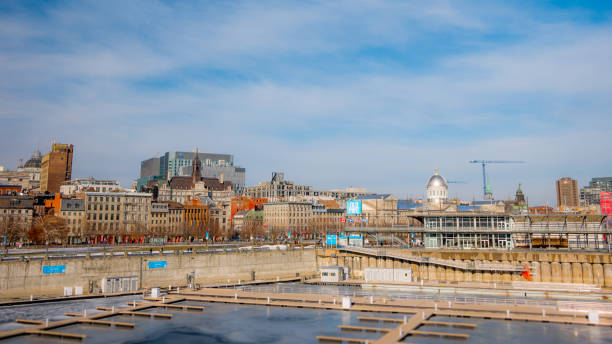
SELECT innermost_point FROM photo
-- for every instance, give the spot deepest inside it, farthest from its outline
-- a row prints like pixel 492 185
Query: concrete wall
pixel 561 267
pixel 25 278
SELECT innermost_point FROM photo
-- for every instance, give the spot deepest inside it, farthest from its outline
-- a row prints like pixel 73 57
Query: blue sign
pixel 158 264
pixel 289 235
pixel 207 236
pixel 54 269
pixel 353 207
pixel 332 240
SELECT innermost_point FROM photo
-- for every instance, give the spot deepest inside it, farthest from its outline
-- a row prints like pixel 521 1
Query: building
pixel 238 220
pixel 327 219
pixel 219 189
pixel 10 190
pixel 90 185
pixel 184 188
pixel 567 193
pixel 178 164
pixel 276 189
pixel 589 195
pixel 32 168
pixel 22 179
pixel 244 203
pixel 195 217
pixel 150 168
pixel 117 216
pixel 280 189
pixel 283 217
pixel 159 219
pixel 332 274
pixel 72 210
pixel 233 174
pixel 377 210
pixel 175 220
pixel 437 190
pixel 56 167
pixel 220 219
pixel 467 230
pixel 573 231
pixel 16 215
pixel 253 225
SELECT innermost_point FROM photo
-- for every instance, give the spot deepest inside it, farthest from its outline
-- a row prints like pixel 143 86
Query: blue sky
pixel 335 94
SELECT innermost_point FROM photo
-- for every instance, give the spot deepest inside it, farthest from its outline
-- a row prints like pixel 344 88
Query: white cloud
pixel 385 127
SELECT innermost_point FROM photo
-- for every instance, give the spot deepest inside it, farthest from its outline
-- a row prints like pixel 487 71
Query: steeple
pixel 196 169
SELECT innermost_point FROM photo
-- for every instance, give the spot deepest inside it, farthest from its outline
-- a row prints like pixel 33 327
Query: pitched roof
pixel 330 204
pixel 182 183
pixel 214 184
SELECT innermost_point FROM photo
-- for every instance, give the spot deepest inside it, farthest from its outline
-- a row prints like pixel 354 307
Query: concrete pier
pixel 446 265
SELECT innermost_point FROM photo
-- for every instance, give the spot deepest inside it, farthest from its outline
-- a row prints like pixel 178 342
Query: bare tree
pixel 11 231
pixel 48 229
pixel 87 230
pixel 213 229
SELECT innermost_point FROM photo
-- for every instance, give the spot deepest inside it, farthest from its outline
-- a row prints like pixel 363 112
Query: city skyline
pixel 374 96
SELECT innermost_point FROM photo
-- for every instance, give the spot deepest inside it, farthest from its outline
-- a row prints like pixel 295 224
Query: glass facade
pixel 468 232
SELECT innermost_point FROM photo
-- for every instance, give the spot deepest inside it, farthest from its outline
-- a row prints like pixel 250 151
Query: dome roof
pixel 34 161
pixel 436 180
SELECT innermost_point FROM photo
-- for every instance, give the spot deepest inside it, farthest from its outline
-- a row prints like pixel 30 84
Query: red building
pixel 244 203
pixel 605 200
pixel 10 189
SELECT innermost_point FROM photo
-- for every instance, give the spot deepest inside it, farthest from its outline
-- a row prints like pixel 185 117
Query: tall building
pixel 589 195
pixel 175 164
pixel 150 168
pixel 567 193
pixel 56 167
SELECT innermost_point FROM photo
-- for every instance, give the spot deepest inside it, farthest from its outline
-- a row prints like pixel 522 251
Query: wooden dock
pixel 43 328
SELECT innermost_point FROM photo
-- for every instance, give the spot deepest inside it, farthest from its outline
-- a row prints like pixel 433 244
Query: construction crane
pixel 486 189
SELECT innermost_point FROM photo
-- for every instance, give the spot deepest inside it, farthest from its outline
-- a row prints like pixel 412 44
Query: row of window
pixel 113 217
pixel 16 211
pixel 115 199
pixel 95 207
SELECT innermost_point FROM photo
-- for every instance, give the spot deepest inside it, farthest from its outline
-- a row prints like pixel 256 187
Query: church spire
pixel 196 169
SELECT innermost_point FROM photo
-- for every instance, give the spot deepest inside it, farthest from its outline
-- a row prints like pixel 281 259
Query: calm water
pixel 226 323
